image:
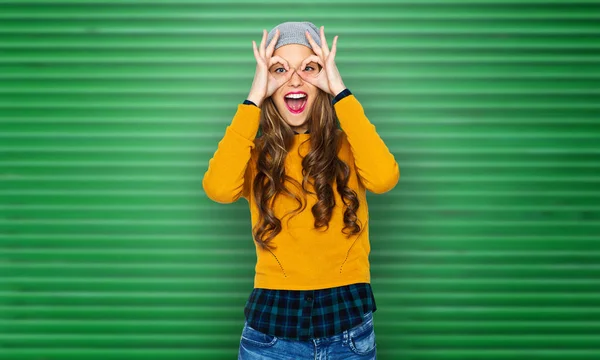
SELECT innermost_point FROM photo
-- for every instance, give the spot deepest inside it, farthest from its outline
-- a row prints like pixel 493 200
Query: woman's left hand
pixel 329 78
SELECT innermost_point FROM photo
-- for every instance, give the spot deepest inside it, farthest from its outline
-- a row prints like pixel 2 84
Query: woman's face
pixel 295 111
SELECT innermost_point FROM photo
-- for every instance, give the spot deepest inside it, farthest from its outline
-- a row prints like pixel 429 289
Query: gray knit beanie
pixel 293 32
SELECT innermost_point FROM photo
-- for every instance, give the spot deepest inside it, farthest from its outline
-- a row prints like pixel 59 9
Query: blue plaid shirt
pixel 306 314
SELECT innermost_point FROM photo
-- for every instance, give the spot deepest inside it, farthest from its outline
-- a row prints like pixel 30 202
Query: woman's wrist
pixel 255 99
pixel 335 90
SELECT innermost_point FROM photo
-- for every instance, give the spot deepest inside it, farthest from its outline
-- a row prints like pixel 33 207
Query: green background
pixel 488 248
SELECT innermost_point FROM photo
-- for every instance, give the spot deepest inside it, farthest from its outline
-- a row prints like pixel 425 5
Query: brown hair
pixel 320 167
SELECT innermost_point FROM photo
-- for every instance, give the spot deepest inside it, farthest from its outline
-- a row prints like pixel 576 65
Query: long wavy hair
pixel 320 167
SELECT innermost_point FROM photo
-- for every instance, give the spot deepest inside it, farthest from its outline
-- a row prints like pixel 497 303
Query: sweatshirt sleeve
pixel 226 179
pixel 375 164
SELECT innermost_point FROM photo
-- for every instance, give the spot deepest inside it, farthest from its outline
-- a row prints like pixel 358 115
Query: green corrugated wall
pixel 488 248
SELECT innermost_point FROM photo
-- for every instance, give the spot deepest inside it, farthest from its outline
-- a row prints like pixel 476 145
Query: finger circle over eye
pixel 312 58
pixel 278 60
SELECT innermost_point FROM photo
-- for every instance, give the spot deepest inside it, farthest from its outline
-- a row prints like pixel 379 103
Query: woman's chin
pixel 294 122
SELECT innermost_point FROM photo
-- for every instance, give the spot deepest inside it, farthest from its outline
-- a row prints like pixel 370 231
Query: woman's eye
pixel 276 70
pixel 309 67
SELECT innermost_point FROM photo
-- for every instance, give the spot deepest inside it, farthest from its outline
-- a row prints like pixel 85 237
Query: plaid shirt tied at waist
pixel 306 314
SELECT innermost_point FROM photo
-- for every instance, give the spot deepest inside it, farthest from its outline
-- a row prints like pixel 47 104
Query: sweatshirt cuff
pixel 341 95
pixel 249 102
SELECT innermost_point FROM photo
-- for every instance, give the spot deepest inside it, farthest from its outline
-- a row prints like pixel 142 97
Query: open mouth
pixel 296 102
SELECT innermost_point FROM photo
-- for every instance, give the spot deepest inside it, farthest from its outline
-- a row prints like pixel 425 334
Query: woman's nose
pixel 295 78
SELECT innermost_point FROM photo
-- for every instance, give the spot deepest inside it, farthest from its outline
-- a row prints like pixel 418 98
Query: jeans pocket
pixel 253 337
pixel 362 338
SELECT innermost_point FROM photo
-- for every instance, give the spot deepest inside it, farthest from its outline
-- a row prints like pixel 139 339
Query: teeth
pixel 295 96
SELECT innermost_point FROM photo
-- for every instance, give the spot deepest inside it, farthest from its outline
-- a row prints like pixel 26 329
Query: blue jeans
pixel 353 344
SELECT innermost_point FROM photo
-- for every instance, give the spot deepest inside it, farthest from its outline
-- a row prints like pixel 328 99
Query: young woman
pixel 302 152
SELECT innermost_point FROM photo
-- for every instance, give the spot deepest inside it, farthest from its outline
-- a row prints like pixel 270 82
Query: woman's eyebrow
pixel 312 63
pixel 277 65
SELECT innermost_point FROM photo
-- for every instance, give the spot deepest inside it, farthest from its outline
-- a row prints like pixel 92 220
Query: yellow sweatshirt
pixel 306 258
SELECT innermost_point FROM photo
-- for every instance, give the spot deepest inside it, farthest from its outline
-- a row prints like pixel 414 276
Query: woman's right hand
pixel 266 83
